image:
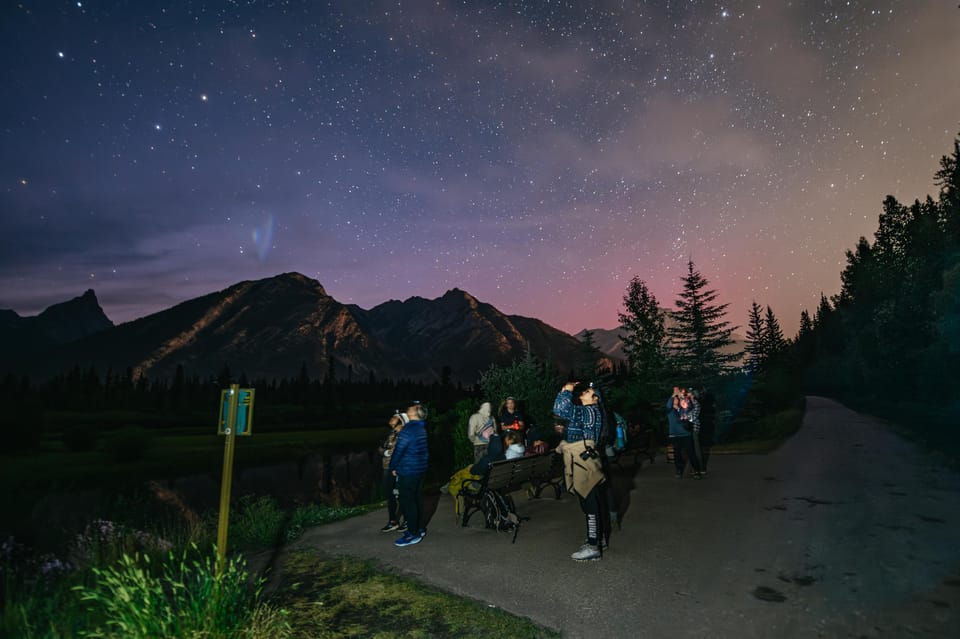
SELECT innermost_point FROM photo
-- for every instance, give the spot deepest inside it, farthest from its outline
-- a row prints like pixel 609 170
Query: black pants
pixel 682 451
pixel 411 501
pixel 389 483
pixel 596 506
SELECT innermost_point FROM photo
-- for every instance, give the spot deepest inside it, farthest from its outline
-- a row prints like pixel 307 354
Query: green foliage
pixel 183 596
pixel 39 606
pixel 462 446
pixel 128 444
pixel 644 335
pixel 315 515
pixel 892 331
pixel 256 522
pixel 700 332
pixel 531 382
pixel 80 438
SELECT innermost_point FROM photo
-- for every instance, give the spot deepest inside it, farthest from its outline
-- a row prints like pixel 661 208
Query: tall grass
pixel 147 579
pixel 183 597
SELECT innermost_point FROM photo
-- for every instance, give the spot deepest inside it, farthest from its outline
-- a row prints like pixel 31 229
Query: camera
pixel 589 453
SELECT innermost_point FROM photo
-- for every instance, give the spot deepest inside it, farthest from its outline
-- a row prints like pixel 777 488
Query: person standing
pixel 680 439
pixel 389 481
pixel 690 413
pixel 408 464
pixel 479 429
pixel 582 466
pixel 510 416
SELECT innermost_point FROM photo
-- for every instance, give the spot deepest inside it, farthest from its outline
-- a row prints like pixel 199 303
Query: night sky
pixel 536 154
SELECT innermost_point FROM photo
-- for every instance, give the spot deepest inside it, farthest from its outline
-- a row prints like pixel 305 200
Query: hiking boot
pixel 408 540
pixel 586 553
pixel 391 526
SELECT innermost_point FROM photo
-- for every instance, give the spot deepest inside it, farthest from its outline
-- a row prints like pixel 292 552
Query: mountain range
pixel 275 326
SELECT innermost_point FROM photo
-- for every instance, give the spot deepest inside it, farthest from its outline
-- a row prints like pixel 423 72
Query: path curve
pixel 846 531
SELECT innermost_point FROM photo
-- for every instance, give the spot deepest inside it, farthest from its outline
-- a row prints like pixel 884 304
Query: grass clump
pixel 182 597
pixel 351 598
pixel 258 522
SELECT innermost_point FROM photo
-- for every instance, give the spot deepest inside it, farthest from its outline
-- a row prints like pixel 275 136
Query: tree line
pixel 893 330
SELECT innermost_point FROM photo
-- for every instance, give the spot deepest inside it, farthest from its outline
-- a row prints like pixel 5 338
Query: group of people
pixel 683 423
pixel 588 435
pixel 405 460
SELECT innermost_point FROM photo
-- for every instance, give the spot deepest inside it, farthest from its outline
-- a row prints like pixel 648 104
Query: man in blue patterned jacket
pixel 409 463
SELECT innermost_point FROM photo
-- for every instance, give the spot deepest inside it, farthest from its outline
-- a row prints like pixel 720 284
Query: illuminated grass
pixel 344 597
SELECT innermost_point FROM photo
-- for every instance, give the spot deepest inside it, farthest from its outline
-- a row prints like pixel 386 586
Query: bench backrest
pixel 510 474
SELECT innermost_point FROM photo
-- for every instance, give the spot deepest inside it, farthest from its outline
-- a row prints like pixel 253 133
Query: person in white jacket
pixel 479 429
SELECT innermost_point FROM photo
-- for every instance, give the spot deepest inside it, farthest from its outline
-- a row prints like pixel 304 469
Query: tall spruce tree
pixel 700 332
pixel 643 330
pixel 806 324
pixel 644 338
pixel 755 348
pixel 773 335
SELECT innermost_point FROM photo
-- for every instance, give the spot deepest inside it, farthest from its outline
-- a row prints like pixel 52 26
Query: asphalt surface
pixel 846 531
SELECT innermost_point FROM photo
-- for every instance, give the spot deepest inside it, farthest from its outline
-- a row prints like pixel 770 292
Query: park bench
pixel 491 493
pixel 640 443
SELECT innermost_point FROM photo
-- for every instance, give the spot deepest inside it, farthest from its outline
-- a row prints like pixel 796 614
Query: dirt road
pixel 846 531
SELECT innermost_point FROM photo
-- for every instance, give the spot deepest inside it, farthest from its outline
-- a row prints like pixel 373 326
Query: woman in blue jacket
pixel 408 464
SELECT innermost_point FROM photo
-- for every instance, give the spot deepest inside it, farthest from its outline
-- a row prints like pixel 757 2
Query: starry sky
pixel 537 154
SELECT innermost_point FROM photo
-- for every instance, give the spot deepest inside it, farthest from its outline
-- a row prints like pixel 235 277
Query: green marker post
pixel 228 404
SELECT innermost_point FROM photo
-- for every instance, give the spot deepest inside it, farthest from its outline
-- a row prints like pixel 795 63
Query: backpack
pixel 621 432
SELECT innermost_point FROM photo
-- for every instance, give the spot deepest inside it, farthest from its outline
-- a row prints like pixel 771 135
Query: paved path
pixel 846 531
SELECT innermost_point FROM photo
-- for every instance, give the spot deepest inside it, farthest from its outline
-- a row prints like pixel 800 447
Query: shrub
pixel 80 438
pixel 128 444
pixel 183 596
pixel 258 522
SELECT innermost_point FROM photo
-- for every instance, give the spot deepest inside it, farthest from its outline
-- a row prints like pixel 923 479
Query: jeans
pixel 389 483
pixel 411 501
pixel 682 451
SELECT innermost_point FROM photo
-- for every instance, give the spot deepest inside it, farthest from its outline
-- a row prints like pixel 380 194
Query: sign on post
pixel 236 418
pixel 243 424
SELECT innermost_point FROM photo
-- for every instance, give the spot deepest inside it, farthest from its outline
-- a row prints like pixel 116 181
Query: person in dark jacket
pixel 680 438
pixel 409 463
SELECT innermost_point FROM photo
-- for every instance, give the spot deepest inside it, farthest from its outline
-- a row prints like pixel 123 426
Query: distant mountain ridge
pixel 272 327
pixel 57 325
pixel 608 341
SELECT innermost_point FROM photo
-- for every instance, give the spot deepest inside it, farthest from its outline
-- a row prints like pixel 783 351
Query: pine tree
pixel 773 335
pixel 806 325
pixel 755 348
pixel 587 356
pixel 948 179
pixel 701 332
pixel 643 333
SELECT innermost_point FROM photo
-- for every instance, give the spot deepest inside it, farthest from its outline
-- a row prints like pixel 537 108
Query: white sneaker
pixel 586 553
